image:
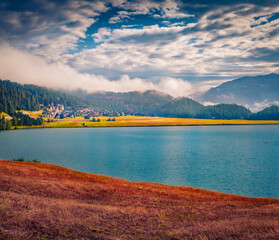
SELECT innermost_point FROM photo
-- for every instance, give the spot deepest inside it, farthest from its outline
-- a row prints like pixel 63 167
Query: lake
pixel 242 160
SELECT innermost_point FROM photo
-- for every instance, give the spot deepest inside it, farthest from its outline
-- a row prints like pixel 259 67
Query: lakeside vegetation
pixel 24 160
pixel 142 121
pixel 19 119
pixel 15 97
pixel 43 201
pixel 26 106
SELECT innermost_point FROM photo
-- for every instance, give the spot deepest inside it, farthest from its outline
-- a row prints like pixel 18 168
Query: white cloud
pixel 102 34
pixel 54 27
pixel 23 67
pixel 168 9
pixel 209 103
pixel 166 51
pixel 121 16
pixel 258 106
pixel 218 44
pixel 135 50
pixel 175 87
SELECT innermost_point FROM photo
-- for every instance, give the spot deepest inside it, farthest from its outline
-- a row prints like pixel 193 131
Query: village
pixel 59 111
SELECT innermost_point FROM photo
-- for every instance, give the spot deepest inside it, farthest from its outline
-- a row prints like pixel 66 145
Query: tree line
pixel 15 97
pixel 188 108
pixel 19 119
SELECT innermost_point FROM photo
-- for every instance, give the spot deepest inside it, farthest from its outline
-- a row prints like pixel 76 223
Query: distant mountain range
pixel 254 92
pixel 248 91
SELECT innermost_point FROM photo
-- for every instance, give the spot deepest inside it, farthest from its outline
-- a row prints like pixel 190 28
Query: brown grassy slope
pixel 41 201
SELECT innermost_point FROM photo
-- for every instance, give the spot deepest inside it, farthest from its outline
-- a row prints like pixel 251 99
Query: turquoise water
pixel 242 160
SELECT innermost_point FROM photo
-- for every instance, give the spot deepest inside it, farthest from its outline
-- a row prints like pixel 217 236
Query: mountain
pixel 270 113
pixel 14 96
pixel 188 108
pixel 225 111
pixel 181 107
pixel 254 92
pixel 139 103
pixel 153 103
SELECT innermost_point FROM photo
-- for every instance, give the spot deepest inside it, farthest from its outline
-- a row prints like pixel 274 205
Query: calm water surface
pixel 242 160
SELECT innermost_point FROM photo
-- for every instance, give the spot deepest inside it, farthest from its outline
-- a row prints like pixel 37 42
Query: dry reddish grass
pixel 41 201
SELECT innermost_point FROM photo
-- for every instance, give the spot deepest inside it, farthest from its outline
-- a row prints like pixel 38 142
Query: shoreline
pixel 49 165
pixel 144 121
pixel 45 201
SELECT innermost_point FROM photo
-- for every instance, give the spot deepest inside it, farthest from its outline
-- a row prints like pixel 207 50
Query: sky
pixel 172 46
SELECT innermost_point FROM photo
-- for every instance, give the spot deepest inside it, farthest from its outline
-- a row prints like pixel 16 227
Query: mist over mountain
pixel 270 113
pixel 254 92
pixel 14 96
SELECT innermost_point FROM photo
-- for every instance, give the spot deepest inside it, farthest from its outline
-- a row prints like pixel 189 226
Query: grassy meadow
pixel 136 121
pixel 42 201
pixel 142 121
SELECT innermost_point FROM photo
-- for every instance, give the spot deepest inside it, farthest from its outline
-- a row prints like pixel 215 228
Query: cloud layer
pixel 36 70
pixel 177 47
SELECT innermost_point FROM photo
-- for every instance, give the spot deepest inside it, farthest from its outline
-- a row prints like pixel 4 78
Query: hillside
pixel 139 103
pixel 41 201
pixel 181 107
pixel 187 108
pixel 249 91
pixel 15 96
pixel 225 111
pixel 270 113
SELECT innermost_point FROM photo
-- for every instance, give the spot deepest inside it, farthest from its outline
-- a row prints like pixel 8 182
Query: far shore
pixel 145 121
pixel 44 201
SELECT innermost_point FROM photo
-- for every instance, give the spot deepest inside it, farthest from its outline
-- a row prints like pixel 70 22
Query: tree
pixel 4 124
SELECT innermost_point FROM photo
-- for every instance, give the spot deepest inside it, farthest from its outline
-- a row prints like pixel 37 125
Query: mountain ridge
pixel 255 92
pixel 14 96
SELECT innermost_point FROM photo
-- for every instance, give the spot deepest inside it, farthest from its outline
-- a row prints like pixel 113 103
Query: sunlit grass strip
pixel 135 121
pixel 32 114
pixel 3 114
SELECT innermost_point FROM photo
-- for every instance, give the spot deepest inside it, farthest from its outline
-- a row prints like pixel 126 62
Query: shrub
pixel 23 160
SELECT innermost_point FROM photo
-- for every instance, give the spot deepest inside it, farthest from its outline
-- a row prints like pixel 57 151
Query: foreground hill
pixel 41 201
pixel 245 91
